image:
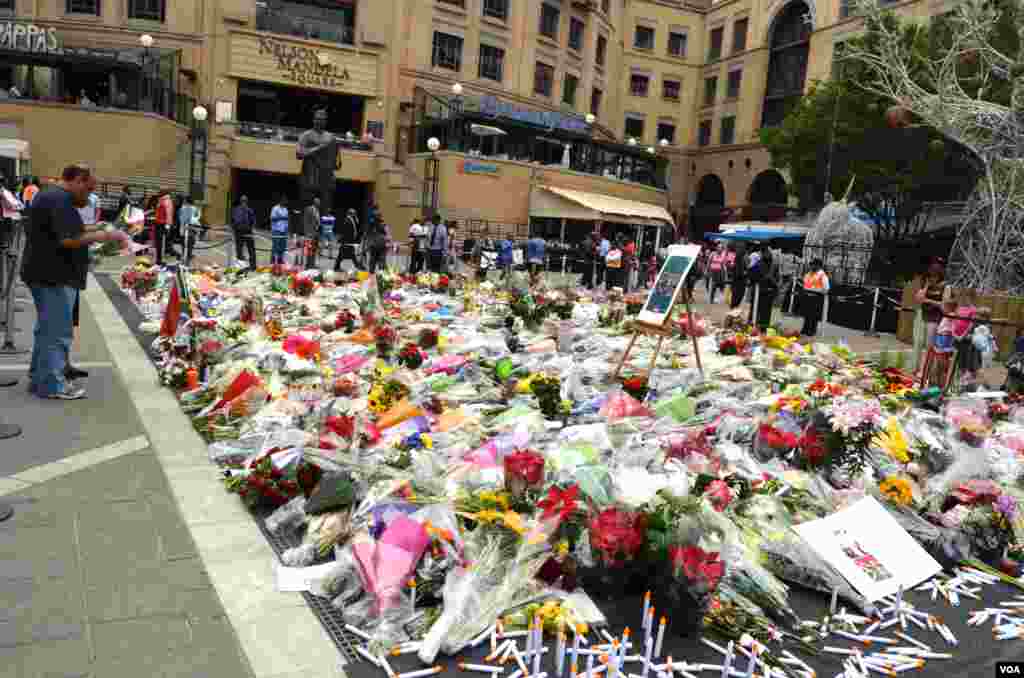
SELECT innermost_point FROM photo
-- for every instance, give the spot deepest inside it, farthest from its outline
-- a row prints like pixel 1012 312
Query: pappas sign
pixel 303 65
pixel 27 37
pixel 472 167
pixel 492 106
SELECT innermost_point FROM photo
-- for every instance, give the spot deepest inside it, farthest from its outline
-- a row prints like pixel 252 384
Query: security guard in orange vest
pixel 816 288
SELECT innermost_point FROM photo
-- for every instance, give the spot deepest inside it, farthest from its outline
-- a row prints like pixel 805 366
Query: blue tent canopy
pixel 756 235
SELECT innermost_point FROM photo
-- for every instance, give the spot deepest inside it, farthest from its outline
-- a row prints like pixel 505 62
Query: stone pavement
pixel 125 556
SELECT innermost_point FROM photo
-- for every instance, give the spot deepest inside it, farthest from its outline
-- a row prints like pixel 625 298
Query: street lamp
pixel 591 118
pixel 457 89
pixel 650 149
pixel 433 144
pixel 663 143
pixel 433 173
pixel 197 170
pixel 146 40
pixel 631 141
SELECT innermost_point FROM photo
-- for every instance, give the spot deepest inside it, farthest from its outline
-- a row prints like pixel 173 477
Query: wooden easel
pixel 660 331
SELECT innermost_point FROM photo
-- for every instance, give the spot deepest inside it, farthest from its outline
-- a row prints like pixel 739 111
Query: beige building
pixel 552 112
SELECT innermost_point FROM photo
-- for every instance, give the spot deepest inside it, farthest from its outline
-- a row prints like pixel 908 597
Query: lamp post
pixel 433 175
pixel 146 40
pixel 197 169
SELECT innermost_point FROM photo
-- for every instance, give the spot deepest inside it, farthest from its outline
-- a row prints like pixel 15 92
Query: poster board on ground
pixel 668 285
pixel 869 548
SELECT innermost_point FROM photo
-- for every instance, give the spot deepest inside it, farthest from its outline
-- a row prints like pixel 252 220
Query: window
pixel 728 133
pixel 715 48
pixel 492 63
pixel 576 34
pixel 635 127
pixel 73 7
pixel 739 35
pixel 732 85
pixel 666 132
pixel 595 101
pixel 6 5
pixel 602 49
pixel 639 84
pixel 710 89
pixel 549 21
pixel 496 9
pixel 150 10
pixel 677 44
pixel 569 89
pixel 447 51
pixel 670 90
pixel 643 38
pixel 704 133
pixel 543 79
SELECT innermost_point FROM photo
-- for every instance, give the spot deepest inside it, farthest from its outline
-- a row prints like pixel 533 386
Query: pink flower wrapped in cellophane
pixel 386 563
pixel 622 405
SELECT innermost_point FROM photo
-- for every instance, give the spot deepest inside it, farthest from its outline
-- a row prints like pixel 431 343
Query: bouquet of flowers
pixel 428 338
pixel 685 589
pixel 699 328
pixel 385 336
pixel 985 514
pixel 775 439
pixel 384 394
pixel 734 344
pixel 273 479
pixel 141 281
pixel 854 425
pixel 387 280
pixel 345 320
pixel 524 471
pixel 174 373
pixel 442 283
pixel 302 284
pixel 524 306
pixel 412 356
pixel 548 392
pixel 616 536
pixel 636 387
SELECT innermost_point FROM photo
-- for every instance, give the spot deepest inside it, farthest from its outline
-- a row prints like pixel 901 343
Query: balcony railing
pixel 268 132
pixel 306 21
pixel 159 100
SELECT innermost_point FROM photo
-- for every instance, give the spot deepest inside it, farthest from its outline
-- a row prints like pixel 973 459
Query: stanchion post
pixel 874 315
pixel 229 255
pixel 824 314
pixel 792 296
pixel 755 302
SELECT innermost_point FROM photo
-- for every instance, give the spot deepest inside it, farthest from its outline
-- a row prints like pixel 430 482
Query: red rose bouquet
pixel 443 282
pixel 273 479
pixel 734 344
pixel 428 338
pixel 636 387
pixel 345 320
pixel 772 441
pixel 412 356
pixel 385 336
pixel 524 470
pixel 616 535
pixel 302 285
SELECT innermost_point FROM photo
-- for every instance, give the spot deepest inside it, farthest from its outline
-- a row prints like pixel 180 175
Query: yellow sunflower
pixel 893 441
pixel 897 490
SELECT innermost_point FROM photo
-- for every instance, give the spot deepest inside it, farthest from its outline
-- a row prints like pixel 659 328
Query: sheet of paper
pixel 292 579
pixel 870 549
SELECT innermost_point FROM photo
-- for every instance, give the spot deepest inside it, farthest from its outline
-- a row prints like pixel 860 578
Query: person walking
pixel 243 221
pixel 311 228
pixel 586 256
pixel 417 246
pixel 30 191
pixel 163 222
pixel 535 248
pixel 764 274
pixel 603 248
pixel 54 267
pixel 505 258
pixel 816 288
pixel 376 244
pixel 613 264
pixel 716 271
pixel 348 238
pixel 279 231
pixel 188 217
pixel 629 265
pixel 437 244
pixel 738 272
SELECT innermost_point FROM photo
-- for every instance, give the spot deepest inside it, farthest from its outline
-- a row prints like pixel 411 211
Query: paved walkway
pixel 125 556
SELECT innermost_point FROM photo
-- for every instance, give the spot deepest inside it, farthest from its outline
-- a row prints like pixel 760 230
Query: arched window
pixel 789 44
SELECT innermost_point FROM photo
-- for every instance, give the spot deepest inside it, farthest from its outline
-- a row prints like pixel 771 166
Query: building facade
pixel 541 108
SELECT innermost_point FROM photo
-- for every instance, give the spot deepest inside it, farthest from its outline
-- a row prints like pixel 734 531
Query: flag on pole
pixel 169 326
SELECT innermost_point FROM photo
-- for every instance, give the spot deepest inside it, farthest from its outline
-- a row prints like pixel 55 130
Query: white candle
pixel 365 654
pixel 560 662
pixel 481 668
pixel 590 666
pixel 383 663
pixel 661 637
pixel 536 659
pixel 647 658
pixel 832 606
pixel 647 606
pixel 359 632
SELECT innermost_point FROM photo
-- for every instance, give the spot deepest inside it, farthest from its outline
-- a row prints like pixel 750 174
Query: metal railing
pixel 306 21
pixel 158 99
pixel 269 132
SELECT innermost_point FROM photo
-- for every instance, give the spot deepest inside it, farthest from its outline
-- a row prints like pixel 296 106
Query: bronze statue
pixel 318 151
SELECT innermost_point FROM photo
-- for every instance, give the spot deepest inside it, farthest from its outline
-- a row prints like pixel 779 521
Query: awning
pixel 757 235
pixel 564 203
pixel 486 131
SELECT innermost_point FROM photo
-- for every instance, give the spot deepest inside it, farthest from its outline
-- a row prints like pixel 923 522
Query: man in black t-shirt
pixel 54 266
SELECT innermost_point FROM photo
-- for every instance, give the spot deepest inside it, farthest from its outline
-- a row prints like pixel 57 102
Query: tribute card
pixel 681 259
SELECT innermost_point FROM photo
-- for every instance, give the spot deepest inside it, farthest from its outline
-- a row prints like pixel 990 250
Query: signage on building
pixel 290 62
pixel 501 109
pixel 304 65
pixel 474 167
pixel 22 37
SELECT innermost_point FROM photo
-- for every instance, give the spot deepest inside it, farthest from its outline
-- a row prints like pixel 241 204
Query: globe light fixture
pixel 146 40
pixel 199 113
pixel 457 89
pixel 664 143
pixel 631 141
pixel 591 118
pixel 433 144
pixel 650 149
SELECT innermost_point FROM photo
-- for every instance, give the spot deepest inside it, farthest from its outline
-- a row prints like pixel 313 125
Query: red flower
pixel 976 492
pixel 527 465
pixel 443 281
pixel 819 386
pixel 559 502
pixel 698 565
pixel 813 447
pixel 719 494
pixel 342 426
pixel 777 439
pixel 614 532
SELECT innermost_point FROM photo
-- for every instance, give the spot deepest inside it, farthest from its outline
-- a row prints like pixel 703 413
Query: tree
pixel 839 131
pixel 972 93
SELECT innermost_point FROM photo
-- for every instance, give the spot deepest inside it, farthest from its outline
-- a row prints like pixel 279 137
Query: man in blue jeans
pixel 279 231
pixel 55 265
